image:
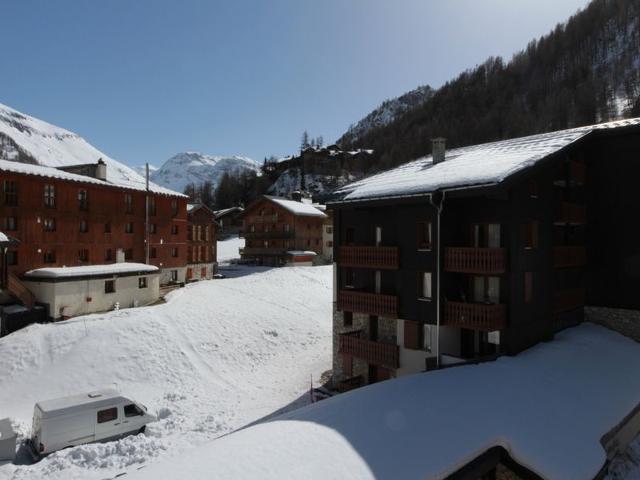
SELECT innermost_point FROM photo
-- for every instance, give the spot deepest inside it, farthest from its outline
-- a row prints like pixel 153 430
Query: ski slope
pixel 217 356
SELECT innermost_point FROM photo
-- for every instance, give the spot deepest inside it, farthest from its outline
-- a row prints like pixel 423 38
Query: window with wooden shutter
pixel 424 235
pixel 424 285
pixel 412 335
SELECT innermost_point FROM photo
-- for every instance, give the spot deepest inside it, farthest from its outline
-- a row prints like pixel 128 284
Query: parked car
pixel 90 417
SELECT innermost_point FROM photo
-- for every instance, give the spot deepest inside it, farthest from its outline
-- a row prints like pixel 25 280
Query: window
pixel 12 257
pixel 152 252
pixel 533 189
pixel 286 227
pixel 329 243
pixel 11 224
pixel 199 233
pixel 486 289
pixel 107 227
pixel 206 233
pixel 424 235
pixel 329 230
pixel 49 256
pixel 128 254
pixel 49 224
pixel 350 235
pixel 83 255
pixel 84 226
pixel 110 286
pixel 132 410
pixel 174 252
pixel 317 241
pixel 128 227
pixel 349 278
pixel 128 203
pixel 174 207
pixel 108 255
pixel 412 335
pixel 142 282
pixel 528 287
pixel 49 196
pixel 348 318
pixel 427 337
pixel 108 415
pixel 531 234
pixel 378 281
pixel 347 365
pixel 10 193
pixel 174 275
pixel 308 243
pixel 83 200
pixel 424 285
pixel 378 236
pixel 152 228
pixel 486 235
pixel 174 229
pixel 152 205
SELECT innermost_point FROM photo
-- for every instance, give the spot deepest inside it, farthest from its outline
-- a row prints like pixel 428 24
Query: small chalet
pixel 229 220
pixel 279 231
pixel 476 252
pixel 201 242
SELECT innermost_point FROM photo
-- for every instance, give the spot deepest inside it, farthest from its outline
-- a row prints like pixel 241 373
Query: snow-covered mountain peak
pixel 195 167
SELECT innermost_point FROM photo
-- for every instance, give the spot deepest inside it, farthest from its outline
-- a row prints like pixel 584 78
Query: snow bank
pixel 228 249
pixel 484 164
pixel 548 406
pixel 219 355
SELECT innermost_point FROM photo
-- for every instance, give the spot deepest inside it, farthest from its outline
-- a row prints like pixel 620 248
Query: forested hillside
pixel 585 71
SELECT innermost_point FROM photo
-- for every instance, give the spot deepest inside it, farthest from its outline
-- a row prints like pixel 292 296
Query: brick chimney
pixel 438 149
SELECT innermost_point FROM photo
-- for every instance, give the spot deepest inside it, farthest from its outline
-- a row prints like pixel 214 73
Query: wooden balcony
pixel 571 214
pixel 375 353
pixel 569 299
pixel 379 258
pixel 262 251
pixel 475 316
pixel 262 219
pixel 270 234
pixel 370 303
pixel 486 261
pixel 567 257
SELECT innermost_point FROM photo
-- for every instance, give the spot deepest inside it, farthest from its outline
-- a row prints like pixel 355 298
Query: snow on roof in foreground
pixel 487 163
pixel 84 270
pixel 3 237
pixel 548 406
pixel 297 208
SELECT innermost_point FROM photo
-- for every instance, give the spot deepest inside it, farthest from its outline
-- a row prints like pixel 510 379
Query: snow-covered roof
pixel 297 208
pixel 63 404
pixel 484 164
pixel 91 270
pixel 548 407
pixel 51 172
pixel 220 213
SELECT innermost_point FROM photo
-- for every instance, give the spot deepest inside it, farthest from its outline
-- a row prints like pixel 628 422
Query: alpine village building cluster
pixel 73 242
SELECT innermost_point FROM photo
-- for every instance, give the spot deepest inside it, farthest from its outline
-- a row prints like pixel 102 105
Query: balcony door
pixel 486 289
pixel 486 235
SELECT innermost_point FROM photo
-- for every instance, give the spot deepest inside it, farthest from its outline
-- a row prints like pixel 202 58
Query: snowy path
pixel 219 355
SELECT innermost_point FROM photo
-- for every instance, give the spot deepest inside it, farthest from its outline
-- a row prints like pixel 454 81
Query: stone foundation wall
pixel 386 334
pixel 626 322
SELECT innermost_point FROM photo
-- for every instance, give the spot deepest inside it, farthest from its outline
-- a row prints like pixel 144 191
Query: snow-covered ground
pixel 548 407
pixel 218 355
pixel 228 249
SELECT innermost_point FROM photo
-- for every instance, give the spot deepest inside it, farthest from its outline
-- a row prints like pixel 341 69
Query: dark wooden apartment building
pixel 485 250
pixel 73 216
pixel 202 242
pixel 278 231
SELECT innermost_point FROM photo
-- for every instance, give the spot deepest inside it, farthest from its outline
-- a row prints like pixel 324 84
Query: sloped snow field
pixel 217 356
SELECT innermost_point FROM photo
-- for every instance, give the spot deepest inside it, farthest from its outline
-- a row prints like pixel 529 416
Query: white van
pixel 91 417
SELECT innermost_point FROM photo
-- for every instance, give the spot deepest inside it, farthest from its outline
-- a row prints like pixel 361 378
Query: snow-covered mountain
pixel 27 139
pixel 317 184
pixel 142 170
pixel 193 167
pixel 387 112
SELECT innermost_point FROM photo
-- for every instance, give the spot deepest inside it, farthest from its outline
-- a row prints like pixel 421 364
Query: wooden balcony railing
pixel 262 219
pixel 262 251
pixel 565 257
pixel 270 234
pixel 370 303
pixel 475 260
pixel 475 316
pixel 571 213
pixel 379 258
pixel 375 353
pixel 569 299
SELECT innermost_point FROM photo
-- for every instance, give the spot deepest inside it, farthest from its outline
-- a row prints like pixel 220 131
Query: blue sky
pixel 143 80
